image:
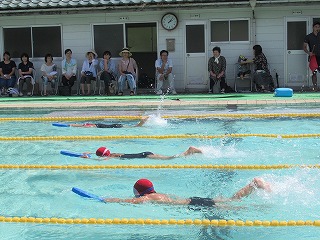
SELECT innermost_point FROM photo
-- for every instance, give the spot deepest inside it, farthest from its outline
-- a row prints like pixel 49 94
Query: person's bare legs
pixel 191 150
pixel 82 88
pixel 247 190
pixel 314 81
pixel 88 88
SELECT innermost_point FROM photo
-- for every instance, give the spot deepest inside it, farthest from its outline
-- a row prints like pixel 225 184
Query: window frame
pixel 31 37
pixel 229 32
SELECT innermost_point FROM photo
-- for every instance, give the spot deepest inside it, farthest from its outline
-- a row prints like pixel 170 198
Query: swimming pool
pixel 46 193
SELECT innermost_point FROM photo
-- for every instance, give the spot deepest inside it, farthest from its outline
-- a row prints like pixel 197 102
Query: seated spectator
pixel 108 70
pixel 25 74
pixel 49 73
pixel 7 73
pixel 244 67
pixel 69 69
pixel 89 71
pixel 262 77
pixel 217 69
pixel 164 72
pixel 128 69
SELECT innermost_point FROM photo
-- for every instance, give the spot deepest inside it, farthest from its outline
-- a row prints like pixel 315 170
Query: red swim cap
pixel 103 152
pixel 142 187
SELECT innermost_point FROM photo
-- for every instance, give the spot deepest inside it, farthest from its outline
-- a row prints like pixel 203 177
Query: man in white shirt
pixel 164 72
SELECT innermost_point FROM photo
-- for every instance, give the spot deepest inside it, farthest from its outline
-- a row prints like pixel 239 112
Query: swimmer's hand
pixel 86 155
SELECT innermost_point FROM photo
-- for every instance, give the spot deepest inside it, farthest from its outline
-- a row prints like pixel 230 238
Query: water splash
pixel 215 152
pixel 161 101
pixel 156 120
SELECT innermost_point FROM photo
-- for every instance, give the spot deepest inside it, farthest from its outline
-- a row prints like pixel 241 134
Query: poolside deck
pixel 169 101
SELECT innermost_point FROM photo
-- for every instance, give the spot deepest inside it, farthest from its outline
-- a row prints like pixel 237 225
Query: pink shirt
pixel 129 65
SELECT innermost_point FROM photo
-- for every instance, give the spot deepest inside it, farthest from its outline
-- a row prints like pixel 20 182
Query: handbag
pixel 88 74
pixel 64 90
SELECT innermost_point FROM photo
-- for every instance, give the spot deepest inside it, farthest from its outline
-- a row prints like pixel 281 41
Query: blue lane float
pixel 83 193
pixel 283 92
pixel 60 125
pixel 74 154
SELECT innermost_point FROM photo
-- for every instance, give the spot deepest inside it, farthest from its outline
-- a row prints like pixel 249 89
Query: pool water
pixel 47 193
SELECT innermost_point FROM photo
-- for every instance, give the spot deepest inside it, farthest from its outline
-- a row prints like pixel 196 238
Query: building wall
pixel 77 33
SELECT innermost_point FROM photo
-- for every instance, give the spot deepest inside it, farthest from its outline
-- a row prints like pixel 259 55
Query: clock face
pixel 169 21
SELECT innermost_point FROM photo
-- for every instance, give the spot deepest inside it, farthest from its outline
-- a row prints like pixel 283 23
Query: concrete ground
pixel 142 102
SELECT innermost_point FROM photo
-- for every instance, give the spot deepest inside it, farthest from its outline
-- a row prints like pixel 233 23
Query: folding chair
pixel 94 84
pixel 113 85
pixel 127 85
pixel 239 83
pixel 33 80
pixel 57 83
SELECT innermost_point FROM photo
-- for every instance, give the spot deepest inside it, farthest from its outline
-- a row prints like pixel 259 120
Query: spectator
pixel 128 71
pixel 164 72
pixel 25 74
pixel 107 73
pixel 89 71
pixel 7 73
pixel 261 77
pixel 69 69
pixel 312 42
pixel 217 69
pixel 49 73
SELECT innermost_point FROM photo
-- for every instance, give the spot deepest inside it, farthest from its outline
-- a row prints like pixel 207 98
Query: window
pixel 230 31
pixel 108 37
pixel 46 40
pixel 17 41
pixel 35 41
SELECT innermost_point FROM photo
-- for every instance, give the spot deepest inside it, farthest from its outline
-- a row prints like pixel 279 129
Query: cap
pixel 103 152
pixel 142 187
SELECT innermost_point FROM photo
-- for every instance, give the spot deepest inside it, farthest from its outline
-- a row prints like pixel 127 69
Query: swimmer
pixel 102 125
pixel 105 154
pixel 144 192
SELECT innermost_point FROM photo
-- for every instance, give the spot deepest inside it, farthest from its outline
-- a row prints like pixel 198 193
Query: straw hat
pixel 92 51
pixel 125 50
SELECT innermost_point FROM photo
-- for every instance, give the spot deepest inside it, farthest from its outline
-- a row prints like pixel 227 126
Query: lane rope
pixel 213 115
pixel 140 221
pixel 176 136
pixel 169 166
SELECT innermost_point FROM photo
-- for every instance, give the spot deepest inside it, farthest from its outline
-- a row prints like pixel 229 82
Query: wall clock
pixel 169 21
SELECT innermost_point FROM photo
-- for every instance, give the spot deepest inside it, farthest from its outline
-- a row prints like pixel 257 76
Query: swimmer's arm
pixel 87 155
pixel 120 200
pixel 83 125
pixel 76 125
pixel 142 121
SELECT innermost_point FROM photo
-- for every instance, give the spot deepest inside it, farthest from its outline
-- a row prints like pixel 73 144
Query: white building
pixel 279 26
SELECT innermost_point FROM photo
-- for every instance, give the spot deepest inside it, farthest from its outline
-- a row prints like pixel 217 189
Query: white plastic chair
pixel 57 83
pixel 33 80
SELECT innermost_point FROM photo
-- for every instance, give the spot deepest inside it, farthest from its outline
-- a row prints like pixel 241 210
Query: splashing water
pixel 299 188
pixel 156 120
pixel 213 152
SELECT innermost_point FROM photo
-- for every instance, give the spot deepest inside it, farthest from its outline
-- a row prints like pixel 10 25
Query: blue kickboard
pixel 73 154
pixel 60 125
pixel 83 193
pixel 283 92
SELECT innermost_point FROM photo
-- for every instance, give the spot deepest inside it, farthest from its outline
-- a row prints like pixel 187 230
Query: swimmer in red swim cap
pixel 143 187
pixel 114 125
pixel 144 192
pixel 105 154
